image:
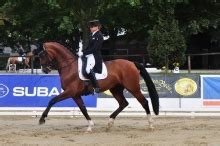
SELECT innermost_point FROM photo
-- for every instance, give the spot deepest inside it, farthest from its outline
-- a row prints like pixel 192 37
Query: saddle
pixel 99 76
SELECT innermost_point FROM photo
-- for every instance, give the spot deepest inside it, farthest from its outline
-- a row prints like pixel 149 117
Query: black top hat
pixel 93 23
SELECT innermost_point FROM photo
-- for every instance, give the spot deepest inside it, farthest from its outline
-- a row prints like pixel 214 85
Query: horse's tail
pixel 151 87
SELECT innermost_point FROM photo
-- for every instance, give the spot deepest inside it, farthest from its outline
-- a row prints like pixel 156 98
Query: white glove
pixel 80 53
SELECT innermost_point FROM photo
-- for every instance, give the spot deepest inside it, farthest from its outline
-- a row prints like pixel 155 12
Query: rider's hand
pixel 80 53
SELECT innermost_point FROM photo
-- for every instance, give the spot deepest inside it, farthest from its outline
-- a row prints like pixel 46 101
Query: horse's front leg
pixel 83 109
pixel 53 101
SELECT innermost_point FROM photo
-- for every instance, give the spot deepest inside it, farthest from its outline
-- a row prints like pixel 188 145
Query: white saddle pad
pixel 19 59
pixel 98 76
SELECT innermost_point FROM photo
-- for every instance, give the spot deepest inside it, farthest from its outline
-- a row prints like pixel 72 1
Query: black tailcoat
pixel 94 47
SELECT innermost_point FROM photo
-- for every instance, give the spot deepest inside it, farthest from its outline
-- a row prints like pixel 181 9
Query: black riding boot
pixel 92 77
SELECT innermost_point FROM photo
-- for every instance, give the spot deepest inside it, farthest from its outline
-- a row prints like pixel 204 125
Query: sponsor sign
pixel 170 86
pixel 210 85
pixel 185 86
pixel 34 91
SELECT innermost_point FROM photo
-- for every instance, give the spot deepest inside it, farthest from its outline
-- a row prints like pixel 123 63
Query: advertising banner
pixel 34 91
pixel 210 90
pixel 170 86
pixel 177 85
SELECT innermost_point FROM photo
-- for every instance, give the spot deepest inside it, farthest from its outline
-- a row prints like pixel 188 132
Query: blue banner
pixel 211 87
pixel 35 91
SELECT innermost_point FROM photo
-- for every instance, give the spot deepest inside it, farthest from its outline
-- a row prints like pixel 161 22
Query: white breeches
pixel 90 63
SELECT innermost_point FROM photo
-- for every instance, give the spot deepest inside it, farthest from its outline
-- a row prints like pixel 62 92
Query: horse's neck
pixel 65 60
pixel 69 68
pixel 64 55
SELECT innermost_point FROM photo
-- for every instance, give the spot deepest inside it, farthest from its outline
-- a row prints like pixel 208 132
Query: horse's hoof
pixel 151 127
pixel 110 123
pixel 109 126
pixel 107 129
pixel 41 121
pixel 88 131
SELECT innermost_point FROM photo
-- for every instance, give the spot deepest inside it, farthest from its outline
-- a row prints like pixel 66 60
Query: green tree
pixel 48 20
pixel 83 11
pixel 197 16
pixel 167 44
pixel 60 19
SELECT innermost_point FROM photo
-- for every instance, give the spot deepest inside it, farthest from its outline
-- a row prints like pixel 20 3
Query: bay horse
pixel 16 60
pixel 122 74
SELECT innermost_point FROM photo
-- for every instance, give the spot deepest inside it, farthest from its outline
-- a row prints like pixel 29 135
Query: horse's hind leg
pixel 117 92
pixel 83 109
pixel 26 64
pixel 143 101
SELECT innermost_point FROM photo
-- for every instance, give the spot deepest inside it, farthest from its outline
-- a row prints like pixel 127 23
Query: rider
pixel 20 51
pixel 92 54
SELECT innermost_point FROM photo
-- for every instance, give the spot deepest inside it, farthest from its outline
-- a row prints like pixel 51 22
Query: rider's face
pixel 94 28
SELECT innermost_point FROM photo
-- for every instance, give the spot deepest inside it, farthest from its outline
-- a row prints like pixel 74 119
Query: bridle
pixel 49 63
pixel 44 54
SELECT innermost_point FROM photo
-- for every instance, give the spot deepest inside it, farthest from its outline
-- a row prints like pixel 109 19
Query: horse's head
pixel 45 61
pixel 54 54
